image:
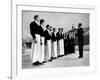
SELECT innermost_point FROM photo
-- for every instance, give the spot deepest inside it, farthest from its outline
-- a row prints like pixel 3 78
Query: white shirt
pixel 37 23
pixel 55 33
pixel 43 27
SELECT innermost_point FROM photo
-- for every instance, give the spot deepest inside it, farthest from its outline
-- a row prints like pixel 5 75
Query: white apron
pixel 48 50
pixel 42 51
pixel 62 46
pixel 54 49
pixel 36 50
pixel 59 50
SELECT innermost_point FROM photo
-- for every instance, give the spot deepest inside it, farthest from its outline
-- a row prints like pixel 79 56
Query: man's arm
pixel 32 30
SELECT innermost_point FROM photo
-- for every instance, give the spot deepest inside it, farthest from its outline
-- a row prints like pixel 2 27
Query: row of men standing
pixel 47 44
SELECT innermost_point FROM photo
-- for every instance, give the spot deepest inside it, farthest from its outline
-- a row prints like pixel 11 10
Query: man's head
pixel 54 29
pixel 62 29
pixel 50 28
pixel 80 25
pixel 36 18
pixel 72 27
pixel 58 29
pixel 42 22
pixel 47 26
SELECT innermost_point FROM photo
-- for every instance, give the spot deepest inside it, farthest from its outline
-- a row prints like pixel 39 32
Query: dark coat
pixel 34 28
pixel 58 36
pixel 41 31
pixel 47 36
pixel 80 37
pixel 62 35
pixel 53 37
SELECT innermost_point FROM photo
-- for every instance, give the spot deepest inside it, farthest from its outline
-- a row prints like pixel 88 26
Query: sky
pixel 55 19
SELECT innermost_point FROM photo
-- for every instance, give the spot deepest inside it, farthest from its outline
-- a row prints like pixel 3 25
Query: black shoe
pixel 53 57
pixel 80 57
pixel 44 61
pixel 50 60
pixel 59 56
pixel 35 63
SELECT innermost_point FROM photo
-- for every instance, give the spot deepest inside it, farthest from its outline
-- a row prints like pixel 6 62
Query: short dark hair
pixel 41 21
pixel 80 24
pixel 54 28
pixel 47 26
pixel 36 16
pixel 72 26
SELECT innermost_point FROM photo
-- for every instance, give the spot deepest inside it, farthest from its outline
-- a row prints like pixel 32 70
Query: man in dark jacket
pixel 54 44
pixel 73 40
pixel 42 38
pixel 34 30
pixel 80 40
pixel 59 53
pixel 62 42
pixel 48 43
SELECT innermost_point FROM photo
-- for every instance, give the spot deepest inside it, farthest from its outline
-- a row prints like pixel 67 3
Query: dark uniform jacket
pixel 58 36
pixel 80 37
pixel 53 37
pixel 41 31
pixel 62 35
pixel 47 36
pixel 34 29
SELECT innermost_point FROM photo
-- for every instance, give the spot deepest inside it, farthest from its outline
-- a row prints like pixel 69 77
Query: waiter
pixel 48 43
pixel 69 43
pixel 73 39
pixel 54 44
pixel 59 42
pixel 62 42
pixel 51 30
pixel 80 40
pixel 66 44
pixel 34 30
pixel 42 38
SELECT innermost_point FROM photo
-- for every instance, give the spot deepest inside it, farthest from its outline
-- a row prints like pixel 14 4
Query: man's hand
pixel 35 41
pixel 40 43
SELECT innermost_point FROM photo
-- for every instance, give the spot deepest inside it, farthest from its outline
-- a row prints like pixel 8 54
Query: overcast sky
pixel 65 20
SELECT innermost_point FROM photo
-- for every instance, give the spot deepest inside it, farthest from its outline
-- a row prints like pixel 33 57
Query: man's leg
pixel 34 52
pixel 58 52
pixel 46 52
pixel 62 47
pixel 38 48
pixel 42 50
pixel 49 50
pixel 55 48
pixel 52 50
pixel 80 51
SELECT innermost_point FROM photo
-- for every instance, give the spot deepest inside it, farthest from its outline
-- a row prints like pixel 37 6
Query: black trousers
pixel 73 48
pixel 80 50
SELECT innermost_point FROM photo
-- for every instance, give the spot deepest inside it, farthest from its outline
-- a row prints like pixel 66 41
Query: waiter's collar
pixel 42 27
pixel 48 30
pixel 36 22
